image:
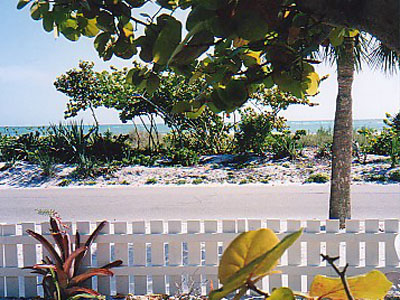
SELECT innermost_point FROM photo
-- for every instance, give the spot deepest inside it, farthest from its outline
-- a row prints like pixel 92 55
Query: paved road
pixel 204 202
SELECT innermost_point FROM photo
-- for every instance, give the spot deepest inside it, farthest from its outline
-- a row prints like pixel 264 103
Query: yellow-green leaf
pixel 282 293
pixel 373 285
pixel 167 40
pixel 246 246
pixel 336 36
pixel 91 29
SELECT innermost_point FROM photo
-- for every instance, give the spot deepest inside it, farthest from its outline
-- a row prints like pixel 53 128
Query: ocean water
pixel 309 126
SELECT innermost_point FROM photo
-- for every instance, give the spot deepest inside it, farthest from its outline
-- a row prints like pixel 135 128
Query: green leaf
pixel 91 29
pixel 105 21
pixel 197 113
pixel 336 36
pixel 262 264
pixel 282 293
pixel 101 41
pixel 48 22
pixel 35 11
pixel 71 33
pixel 22 3
pixel 152 83
pixel 167 40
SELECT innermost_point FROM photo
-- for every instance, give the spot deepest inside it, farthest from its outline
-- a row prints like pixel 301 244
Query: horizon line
pixel 105 124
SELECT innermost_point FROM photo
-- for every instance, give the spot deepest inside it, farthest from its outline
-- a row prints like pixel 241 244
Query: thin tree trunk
pixel 340 200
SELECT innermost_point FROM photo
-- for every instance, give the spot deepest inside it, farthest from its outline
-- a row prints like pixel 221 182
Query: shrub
pixel 151 181
pixel 284 145
pixel 253 130
pixel 324 151
pixel 185 157
pixel 197 181
pixel 394 175
pixel 65 182
pixel 318 178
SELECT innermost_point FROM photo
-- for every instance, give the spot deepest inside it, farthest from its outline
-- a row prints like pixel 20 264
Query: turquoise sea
pixel 310 126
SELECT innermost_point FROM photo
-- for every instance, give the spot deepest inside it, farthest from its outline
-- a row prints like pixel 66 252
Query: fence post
pixel 174 256
pixel 121 252
pixel 274 280
pixel 2 291
pixel 294 255
pixel 11 260
pixel 371 244
pixel 352 244
pixel 391 256
pixel 211 249
pixel 139 257
pixel 29 255
pixel 194 254
pixel 157 256
pixel 84 231
pixel 103 257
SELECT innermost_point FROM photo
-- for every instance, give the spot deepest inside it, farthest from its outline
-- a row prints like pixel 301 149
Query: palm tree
pixel 349 57
pixel 340 199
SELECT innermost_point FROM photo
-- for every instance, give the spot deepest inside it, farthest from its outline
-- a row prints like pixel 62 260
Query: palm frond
pixel 384 59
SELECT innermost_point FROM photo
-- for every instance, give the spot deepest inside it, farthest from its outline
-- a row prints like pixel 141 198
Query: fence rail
pixel 167 256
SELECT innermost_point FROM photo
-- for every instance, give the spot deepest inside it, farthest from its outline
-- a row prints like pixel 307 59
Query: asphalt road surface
pixel 200 202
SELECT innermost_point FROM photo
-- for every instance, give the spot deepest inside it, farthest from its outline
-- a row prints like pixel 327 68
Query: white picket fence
pixel 164 256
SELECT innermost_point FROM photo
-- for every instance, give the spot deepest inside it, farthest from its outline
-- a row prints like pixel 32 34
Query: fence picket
pixel 371 246
pixel 391 227
pixel 29 257
pixel 139 257
pixel 84 231
pixel 353 245
pixel 194 254
pixel 121 252
pixel 2 290
pixel 174 255
pixel 157 256
pixel 11 260
pixel 294 255
pixel 103 256
pixel 211 254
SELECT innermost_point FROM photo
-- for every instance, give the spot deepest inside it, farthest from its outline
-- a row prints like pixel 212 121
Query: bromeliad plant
pixel 63 274
pixel 254 254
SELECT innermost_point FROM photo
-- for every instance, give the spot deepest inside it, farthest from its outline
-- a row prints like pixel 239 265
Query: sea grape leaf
pixel 167 40
pixel 373 285
pixel 282 293
pixel 246 245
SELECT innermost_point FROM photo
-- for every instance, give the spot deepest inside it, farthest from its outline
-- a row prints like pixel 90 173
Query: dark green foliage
pixel 207 134
pixel 318 178
pixel 285 145
pixel 253 130
pixel 185 157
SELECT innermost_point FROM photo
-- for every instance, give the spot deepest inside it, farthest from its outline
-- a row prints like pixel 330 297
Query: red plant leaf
pixel 67 246
pixel 43 266
pixel 77 240
pixel 88 244
pixel 77 289
pixel 68 265
pixel 49 247
pixel 88 274
pixel 57 235
pixel 95 233
pixel 114 264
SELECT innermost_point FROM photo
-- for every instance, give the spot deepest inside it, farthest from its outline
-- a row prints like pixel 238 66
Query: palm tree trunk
pixel 340 199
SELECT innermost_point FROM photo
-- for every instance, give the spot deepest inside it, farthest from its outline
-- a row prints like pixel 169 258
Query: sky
pixel 31 59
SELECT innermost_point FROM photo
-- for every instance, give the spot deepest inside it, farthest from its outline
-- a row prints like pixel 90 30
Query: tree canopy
pixel 234 46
